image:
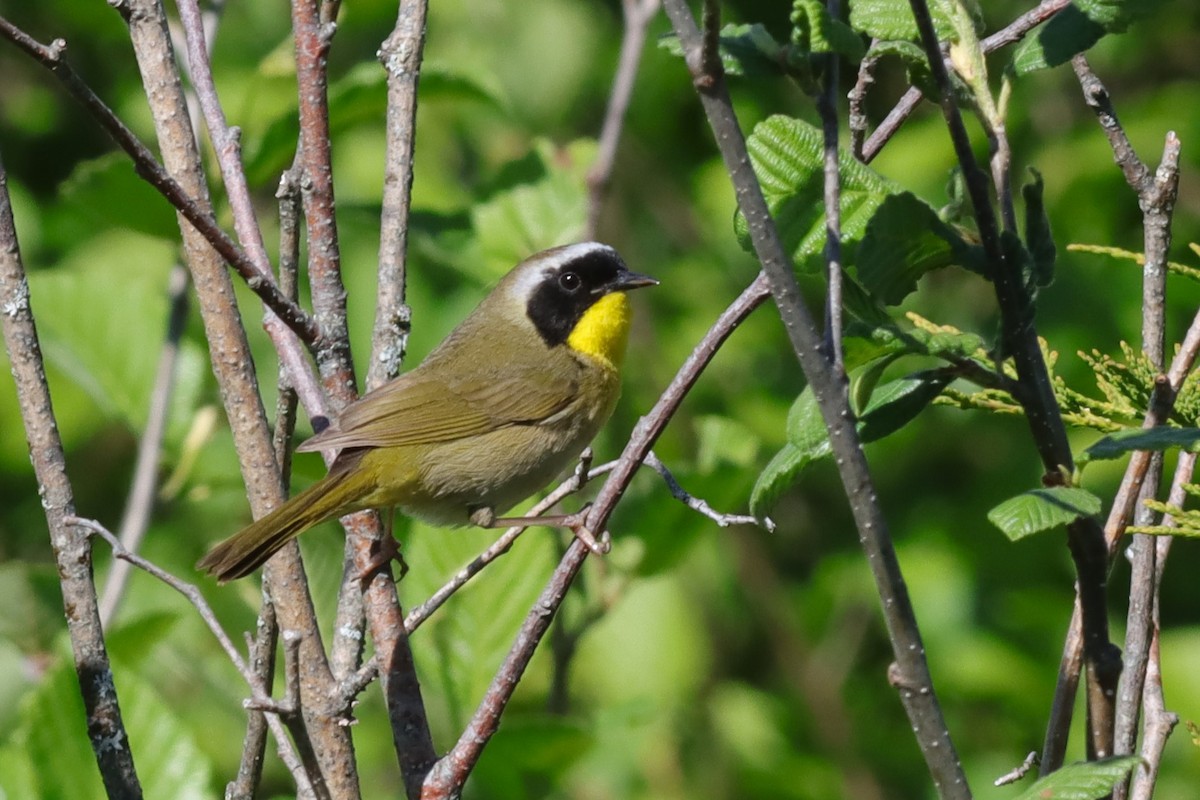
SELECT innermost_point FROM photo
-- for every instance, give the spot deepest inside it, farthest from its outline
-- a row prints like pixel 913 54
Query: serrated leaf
pixel 893 19
pixel 807 442
pixel 904 240
pixel 1115 445
pixel 891 407
pixel 108 190
pixel 816 31
pixel 787 155
pixel 745 50
pixel 1116 15
pixel 53 731
pixel 1038 238
pixel 1067 33
pixel 1043 509
pixel 898 402
pixel 1083 781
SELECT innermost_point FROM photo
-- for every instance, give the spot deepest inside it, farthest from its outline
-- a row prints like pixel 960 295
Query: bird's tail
pixel 334 495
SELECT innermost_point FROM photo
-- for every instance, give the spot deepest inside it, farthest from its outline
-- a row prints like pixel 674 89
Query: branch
pixel 830 389
pixel 701 506
pixel 72 549
pixel 401 56
pixel 637 14
pixel 1156 196
pixel 195 211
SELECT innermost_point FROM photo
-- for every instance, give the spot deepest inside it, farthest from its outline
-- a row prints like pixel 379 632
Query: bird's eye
pixel 570 282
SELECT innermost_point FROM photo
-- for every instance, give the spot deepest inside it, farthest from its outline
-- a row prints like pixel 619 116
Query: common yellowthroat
pixel 491 416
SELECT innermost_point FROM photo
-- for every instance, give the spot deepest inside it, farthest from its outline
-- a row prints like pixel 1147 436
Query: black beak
pixel 627 280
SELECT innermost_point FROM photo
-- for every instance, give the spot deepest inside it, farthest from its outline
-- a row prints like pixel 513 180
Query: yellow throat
pixel 603 330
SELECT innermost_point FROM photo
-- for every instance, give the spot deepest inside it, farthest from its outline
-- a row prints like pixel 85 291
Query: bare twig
pixel 401 57
pixel 188 204
pixel 254 744
pixel 227 144
pixel 72 549
pixel 1019 772
pixel 830 389
pixel 498 548
pixel 637 15
pixel 140 503
pixel 700 506
pixel 858 101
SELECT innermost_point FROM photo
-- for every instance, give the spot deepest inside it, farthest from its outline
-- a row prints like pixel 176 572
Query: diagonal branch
pixel 195 212
pixel 72 548
pixel 830 388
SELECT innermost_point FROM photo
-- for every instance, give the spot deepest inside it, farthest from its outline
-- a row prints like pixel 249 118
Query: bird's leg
pixel 485 517
pixel 388 550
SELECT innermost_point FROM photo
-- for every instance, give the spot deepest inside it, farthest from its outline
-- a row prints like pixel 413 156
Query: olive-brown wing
pixel 418 409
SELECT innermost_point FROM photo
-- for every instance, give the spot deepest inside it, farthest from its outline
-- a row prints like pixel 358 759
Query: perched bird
pixel 491 416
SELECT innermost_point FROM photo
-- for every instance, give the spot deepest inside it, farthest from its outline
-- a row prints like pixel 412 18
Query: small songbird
pixel 491 416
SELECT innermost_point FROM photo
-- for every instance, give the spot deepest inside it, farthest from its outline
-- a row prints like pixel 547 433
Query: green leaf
pixel 1067 33
pixel 890 408
pixel 1116 15
pixel 898 402
pixel 53 734
pixel 359 97
pixel 916 65
pixel 1038 238
pixel 1082 781
pixel 815 31
pixel 108 190
pixel 1043 509
pixel 893 19
pixel 903 241
pixel 807 442
pixel 864 380
pixel 529 217
pixel 1115 445
pixel 788 157
pixel 106 304
pixel 746 50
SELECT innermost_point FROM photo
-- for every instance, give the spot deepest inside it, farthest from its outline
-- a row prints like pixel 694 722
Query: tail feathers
pixel 245 551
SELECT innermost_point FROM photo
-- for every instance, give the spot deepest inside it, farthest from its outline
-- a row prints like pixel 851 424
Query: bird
pixel 493 414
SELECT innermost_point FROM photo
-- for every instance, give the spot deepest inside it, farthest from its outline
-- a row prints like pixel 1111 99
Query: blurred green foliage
pixel 728 663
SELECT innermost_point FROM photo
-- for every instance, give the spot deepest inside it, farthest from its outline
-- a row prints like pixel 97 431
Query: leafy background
pixel 728 662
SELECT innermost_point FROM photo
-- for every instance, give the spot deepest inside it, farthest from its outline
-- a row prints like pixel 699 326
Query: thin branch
pixel 701 506
pixel 501 546
pixel 193 210
pixel 1084 536
pixel 858 101
pixel 1023 769
pixel 254 744
pixel 638 14
pixel 72 548
pixel 830 389
pixel 140 503
pixel 400 55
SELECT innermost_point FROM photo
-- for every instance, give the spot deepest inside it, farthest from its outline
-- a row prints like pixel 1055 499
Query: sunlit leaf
pixel 1042 510
pixel 1115 445
pixel 1082 781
